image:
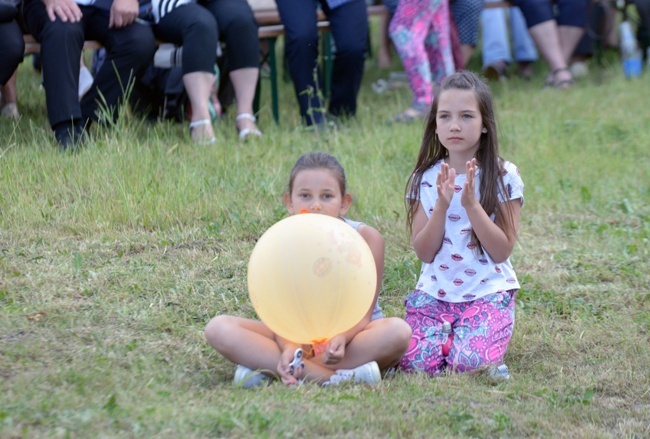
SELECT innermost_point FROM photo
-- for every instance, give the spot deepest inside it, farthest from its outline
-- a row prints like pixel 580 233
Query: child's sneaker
pixel 248 378
pixel 366 373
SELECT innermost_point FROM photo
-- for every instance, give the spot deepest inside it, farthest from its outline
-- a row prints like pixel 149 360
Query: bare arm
pixel 335 350
pixel 429 232
pixel 494 239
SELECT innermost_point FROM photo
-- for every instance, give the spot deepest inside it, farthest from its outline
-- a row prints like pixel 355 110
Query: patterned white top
pixel 457 274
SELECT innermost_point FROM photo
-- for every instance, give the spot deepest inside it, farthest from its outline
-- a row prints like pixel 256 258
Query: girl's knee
pixel 218 328
pixel 401 331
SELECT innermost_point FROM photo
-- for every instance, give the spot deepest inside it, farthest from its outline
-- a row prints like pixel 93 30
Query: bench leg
pixel 274 81
pixel 328 63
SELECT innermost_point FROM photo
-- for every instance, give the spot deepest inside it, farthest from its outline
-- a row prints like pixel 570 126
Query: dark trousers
pixel 194 28
pixel 570 12
pixel 129 50
pixel 237 28
pixel 12 47
pixel 349 27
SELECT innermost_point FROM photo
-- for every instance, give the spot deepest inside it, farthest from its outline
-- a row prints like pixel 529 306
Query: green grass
pixel 113 259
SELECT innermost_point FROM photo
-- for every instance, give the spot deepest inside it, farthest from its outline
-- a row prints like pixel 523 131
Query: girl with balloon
pixel 463 206
pixel 317 185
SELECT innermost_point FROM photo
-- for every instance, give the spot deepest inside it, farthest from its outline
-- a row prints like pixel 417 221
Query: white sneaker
pixel 366 373
pixel 248 378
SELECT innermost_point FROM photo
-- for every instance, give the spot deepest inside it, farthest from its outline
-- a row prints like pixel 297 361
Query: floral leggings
pixel 481 330
pixel 420 32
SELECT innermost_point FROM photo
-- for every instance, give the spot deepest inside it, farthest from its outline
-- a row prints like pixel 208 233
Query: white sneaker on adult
pixel 366 373
pixel 248 378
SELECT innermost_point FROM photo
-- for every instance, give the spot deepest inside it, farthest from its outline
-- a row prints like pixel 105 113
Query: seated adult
pixel 349 27
pixel 556 37
pixel 61 26
pixel 237 28
pixel 12 48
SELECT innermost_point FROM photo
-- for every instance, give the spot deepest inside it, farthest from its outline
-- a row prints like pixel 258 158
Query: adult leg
pixel 523 44
pixel 194 29
pixel 301 49
pixel 571 22
pixel 12 47
pixel 129 51
pixel 238 29
pixel 466 15
pixel 384 57
pixel 9 98
pixel 349 26
pixel 61 45
pixel 524 51
pixel 496 43
pixel 544 31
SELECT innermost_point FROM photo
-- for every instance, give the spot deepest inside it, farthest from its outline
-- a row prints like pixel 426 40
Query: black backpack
pixel 161 94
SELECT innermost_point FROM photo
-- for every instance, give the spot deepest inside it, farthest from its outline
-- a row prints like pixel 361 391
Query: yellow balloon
pixel 311 277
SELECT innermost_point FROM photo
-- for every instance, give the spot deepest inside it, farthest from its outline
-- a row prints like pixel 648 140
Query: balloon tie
pixel 318 346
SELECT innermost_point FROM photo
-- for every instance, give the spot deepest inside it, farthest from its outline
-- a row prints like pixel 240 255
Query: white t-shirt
pixel 457 274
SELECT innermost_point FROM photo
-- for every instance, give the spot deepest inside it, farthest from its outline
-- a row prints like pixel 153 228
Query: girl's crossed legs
pixel 252 344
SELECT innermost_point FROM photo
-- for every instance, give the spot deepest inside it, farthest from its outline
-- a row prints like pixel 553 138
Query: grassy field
pixel 113 259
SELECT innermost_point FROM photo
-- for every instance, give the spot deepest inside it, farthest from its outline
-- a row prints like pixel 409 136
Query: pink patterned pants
pixel 420 33
pixel 481 330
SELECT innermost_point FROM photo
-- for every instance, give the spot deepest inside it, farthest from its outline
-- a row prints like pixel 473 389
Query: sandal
pixel 245 133
pixel 409 115
pixel 553 82
pixel 201 138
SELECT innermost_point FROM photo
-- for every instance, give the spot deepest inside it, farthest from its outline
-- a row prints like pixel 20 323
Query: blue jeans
pixel 496 42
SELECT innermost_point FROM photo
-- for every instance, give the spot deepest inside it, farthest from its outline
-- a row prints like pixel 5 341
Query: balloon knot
pixel 319 346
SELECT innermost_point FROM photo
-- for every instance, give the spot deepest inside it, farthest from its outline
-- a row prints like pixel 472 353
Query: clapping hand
pixel 468 199
pixel 445 184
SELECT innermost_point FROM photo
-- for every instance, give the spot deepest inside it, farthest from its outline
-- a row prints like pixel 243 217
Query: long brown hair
pixel 487 155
